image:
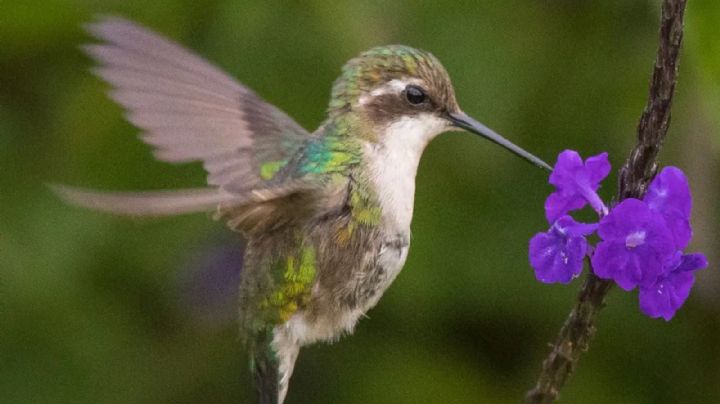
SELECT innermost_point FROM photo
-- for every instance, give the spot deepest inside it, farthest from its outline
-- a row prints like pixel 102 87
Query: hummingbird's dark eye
pixel 415 95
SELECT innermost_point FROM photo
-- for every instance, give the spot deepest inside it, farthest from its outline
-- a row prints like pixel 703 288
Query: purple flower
pixel 669 292
pixel 636 245
pixel 669 195
pixel 576 184
pixel 641 240
pixel 557 255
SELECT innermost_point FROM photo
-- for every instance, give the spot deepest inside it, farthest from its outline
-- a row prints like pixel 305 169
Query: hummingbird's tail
pixel 273 359
pixel 147 204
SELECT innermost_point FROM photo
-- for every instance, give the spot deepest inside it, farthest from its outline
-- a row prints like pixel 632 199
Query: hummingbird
pixel 326 214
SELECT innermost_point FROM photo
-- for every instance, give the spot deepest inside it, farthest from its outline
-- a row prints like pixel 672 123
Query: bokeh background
pixel 98 309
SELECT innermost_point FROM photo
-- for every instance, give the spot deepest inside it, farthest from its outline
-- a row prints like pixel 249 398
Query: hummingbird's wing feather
pixel 249 212
pixel 190 110
pixel 290 202
pixel 151 203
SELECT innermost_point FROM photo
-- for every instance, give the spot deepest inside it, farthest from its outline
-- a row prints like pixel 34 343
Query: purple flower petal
pixel 636 245
pixel 563 174
pixel 666 296
pixel 598 166
pixel 558 205
pixel 669 195
pixel 680 229
pixel 692 262
pixel 557 255
pixel 576 183
pixel 669 292
pixel 670 192
pixel 576 229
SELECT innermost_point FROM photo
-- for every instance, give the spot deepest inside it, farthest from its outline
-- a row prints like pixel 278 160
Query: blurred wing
pixel 291 202
pixel 146 204
pixel 190 110
pixel 254 211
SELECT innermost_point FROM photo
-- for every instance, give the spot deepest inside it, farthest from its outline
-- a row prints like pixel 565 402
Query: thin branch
pixel 639 169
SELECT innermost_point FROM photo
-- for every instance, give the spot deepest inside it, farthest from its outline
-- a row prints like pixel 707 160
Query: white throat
pixel 393 164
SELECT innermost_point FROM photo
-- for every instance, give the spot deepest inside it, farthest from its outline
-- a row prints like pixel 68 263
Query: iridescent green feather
pixel 293 277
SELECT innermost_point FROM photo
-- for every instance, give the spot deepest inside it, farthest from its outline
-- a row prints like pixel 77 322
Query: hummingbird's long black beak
pixel 462 120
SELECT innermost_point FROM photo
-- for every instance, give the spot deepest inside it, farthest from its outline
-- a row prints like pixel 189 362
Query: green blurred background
pixel 97 309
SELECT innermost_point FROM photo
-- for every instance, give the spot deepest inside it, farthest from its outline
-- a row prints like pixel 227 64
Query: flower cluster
pixel 641 241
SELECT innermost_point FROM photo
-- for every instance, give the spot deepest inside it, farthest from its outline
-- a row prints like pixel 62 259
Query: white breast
pixel 393 164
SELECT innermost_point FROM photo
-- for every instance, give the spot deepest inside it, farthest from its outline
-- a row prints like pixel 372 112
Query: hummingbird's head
pixel 402 91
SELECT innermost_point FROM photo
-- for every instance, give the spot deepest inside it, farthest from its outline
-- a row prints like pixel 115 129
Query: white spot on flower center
pixel 635 239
